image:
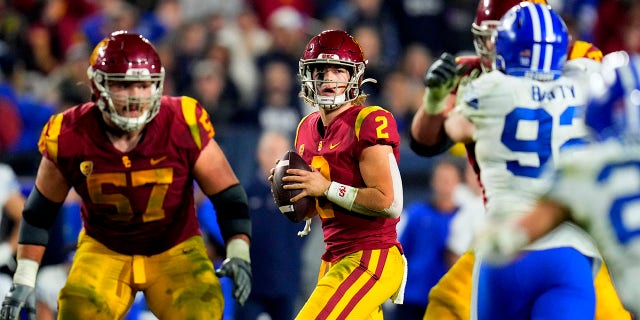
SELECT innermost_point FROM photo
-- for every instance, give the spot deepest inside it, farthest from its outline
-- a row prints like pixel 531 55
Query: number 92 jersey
pixel 140 201
pixel 336 155
pixel 521 126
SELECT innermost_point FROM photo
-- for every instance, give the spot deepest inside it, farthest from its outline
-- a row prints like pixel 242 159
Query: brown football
pixel 294 211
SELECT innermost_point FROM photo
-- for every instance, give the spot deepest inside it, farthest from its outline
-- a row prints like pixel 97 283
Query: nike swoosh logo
pixel 333 146
pixel 156 161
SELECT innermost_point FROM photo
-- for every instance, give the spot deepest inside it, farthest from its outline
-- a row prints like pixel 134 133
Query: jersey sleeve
pixel 197 121
pixel 48 142
pixel 583 49
pixel 375 125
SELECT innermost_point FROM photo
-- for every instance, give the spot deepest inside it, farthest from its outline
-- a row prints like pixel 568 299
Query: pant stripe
pixel 382 259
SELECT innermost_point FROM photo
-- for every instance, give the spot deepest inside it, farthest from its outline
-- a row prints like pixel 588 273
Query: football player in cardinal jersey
pixel 354 152
pixel 518 129
pixel 596 185
pixel 132 155
pixel 451 297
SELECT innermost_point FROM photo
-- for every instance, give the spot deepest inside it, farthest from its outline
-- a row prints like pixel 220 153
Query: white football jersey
pixel 521 127
pixel 601 185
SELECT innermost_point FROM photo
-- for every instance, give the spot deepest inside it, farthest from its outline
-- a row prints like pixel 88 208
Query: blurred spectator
pixel 618 26
pixel 378 18
pixel 471 216
pixel 267 8
pixel 11 204
pixel 215 91
pixel 275 247
pixel 116 15
pixel 421 21
pixel 189 44
pixel 416 59
pixel 24 156
pixel 198 9
pixel 63 18
pixel 11 128
pixel 69 85
pixel 287 27
pixel 246 40
pixel 424 236
pixel 401 97
pixel 369 39
pixel 279 106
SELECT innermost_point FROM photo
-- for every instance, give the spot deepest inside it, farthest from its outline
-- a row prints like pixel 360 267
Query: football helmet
pixel 613 110
pixel 488 15
pixel 531 41
pixel 336 48
pixel 123 57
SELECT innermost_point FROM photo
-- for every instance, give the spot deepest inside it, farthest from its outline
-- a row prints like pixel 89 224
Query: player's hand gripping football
pixel 20 297
pixel 442 76
pixel 312 183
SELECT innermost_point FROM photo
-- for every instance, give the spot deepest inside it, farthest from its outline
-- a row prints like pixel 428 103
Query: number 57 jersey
pixel 136 202
pixel 521 126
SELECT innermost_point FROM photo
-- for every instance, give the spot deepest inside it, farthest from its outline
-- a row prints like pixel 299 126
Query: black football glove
pixel 240 271
pixel 20 296
pixel 441 77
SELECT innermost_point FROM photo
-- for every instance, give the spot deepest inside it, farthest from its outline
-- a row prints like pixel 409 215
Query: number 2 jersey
pixel 601 185
pixel 138 202
pixel 521 127
pixel 336 155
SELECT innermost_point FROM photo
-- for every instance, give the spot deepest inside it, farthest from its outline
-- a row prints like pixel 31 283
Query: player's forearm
pixel 428 129
pixel 31 252
pixel 459 128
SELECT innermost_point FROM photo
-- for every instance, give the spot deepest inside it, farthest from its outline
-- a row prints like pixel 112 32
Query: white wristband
pixel 238 248
pixel 26 272
pixel 342 195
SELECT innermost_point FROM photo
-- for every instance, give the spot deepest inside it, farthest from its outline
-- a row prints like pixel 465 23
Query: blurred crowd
pixel 239 59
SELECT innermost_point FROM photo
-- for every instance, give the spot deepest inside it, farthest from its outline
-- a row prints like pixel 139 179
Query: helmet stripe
pixel 550 34
pixel 537 36
pixel 535 57
pixel 548 55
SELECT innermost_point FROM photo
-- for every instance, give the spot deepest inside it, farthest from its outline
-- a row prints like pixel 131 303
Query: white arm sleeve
pixel 396 206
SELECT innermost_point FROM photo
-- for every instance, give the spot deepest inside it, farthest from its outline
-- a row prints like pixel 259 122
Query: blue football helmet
pixel 531 41
pixel 614 107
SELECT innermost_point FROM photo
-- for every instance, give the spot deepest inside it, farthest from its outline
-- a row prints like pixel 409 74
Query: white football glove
pixel 499 244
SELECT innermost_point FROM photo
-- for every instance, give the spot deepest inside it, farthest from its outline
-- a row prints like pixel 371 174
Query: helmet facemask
pixel 107 99
pixel 311 89
pixel 483 43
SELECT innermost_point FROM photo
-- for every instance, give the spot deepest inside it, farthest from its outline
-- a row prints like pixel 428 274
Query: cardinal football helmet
pixel 531 41
pixel 126 57
pixel 614 107
pixel 488 15
pixel 337 48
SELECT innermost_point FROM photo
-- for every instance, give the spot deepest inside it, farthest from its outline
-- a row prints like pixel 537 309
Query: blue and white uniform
pixel 521 126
